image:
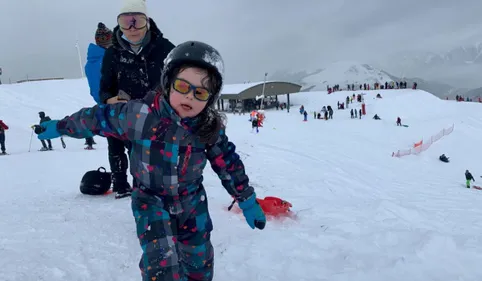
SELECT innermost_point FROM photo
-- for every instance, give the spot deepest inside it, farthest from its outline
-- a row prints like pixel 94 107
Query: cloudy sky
pixel 38 36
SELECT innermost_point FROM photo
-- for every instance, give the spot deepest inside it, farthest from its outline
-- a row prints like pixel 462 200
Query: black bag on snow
pixel 95 182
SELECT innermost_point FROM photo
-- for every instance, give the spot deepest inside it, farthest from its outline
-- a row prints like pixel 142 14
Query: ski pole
pixel 30 145
pixel 63 143
pixel 232 204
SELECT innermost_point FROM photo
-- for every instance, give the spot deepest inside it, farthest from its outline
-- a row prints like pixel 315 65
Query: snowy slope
pixel 343 73
pixel 362 215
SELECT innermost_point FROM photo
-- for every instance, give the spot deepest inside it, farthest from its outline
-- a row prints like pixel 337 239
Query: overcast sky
pixel 38 36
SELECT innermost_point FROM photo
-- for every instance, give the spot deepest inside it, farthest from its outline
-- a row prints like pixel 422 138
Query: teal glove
pixel 47 130
pixel 253 213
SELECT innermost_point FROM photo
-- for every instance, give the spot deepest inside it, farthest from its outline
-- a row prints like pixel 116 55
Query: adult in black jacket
pixel 130 68
pixel 44 118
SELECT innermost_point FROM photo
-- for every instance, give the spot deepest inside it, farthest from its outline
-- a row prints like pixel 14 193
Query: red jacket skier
pixel 3 128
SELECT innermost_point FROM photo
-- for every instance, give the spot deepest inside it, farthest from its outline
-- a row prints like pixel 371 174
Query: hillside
pixel 347 72
pixel 360 214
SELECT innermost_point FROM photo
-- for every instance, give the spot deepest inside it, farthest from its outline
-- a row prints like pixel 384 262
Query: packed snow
pixel 361 214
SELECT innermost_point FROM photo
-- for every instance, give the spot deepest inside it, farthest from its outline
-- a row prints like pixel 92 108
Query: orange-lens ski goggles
pixel 184 87
pixel 134 20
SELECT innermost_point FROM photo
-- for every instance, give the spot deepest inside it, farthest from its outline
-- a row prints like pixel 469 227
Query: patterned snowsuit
pixel 170 205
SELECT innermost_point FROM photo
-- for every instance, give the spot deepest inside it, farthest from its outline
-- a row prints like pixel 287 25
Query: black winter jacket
pixel 134 74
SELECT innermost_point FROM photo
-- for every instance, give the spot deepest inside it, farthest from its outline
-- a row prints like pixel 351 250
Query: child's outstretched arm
pixel 117 120
pixel 230 169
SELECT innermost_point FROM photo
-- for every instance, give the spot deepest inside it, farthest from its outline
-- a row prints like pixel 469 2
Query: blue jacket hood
pixel 95 55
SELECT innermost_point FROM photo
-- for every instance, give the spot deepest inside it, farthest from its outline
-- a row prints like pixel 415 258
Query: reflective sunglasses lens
pixel 202 94
pixel 181 86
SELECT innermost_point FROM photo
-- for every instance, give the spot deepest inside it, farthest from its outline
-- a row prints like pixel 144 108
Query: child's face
pixel 185 104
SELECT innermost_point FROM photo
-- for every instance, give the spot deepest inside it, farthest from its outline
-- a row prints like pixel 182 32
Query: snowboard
pixel 405 126
pixel 3 154
pixel 477 187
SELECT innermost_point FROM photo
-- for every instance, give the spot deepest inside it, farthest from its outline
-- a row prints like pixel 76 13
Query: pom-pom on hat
pixel 103 35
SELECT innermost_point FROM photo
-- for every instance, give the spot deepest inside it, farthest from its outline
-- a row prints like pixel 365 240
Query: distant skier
pixel 359 113
pixel 254 124
pixel 3 128
pixel 305 116
pixel 44 118
pixel 399 121
pixel 330 112
pixel 356 114
pixel 351 113
pixel 468 178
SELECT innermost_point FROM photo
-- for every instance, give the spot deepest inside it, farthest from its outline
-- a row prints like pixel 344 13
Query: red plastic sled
pixel 273 207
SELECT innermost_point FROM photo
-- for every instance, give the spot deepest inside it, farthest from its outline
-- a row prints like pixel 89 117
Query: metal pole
pixel 80 59
pixel 262 94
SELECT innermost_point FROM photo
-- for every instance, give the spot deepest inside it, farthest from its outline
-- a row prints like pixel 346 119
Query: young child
pixel 173 131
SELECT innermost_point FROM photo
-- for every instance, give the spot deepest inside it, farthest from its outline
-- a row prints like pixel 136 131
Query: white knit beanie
pixel 134 6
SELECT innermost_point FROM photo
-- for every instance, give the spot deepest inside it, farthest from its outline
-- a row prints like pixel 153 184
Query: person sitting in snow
pixel 174 131
pixel 376 117
pixel 443 158
pixel 399 121
pixel 468 178
pixel 3 128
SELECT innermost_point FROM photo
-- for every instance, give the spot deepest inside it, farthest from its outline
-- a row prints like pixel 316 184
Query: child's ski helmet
pixel 95 182
pixel 198 54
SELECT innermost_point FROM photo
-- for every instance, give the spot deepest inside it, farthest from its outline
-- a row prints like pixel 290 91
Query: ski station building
pixel 249 96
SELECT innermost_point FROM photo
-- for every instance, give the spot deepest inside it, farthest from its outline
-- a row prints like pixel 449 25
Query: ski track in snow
pixel 361 214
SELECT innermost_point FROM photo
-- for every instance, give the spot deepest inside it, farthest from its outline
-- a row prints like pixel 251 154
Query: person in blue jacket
pixel 95 54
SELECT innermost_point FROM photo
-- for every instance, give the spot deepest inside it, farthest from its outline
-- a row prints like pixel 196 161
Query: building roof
pixel 251 90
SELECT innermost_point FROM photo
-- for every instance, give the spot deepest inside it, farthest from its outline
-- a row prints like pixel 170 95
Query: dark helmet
pixel 41 114
pixel 197 54
pixel 95 182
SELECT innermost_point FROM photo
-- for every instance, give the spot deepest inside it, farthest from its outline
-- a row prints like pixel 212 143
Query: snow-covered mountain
pixel 341 73
pixel 460 66
pixel 349 72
